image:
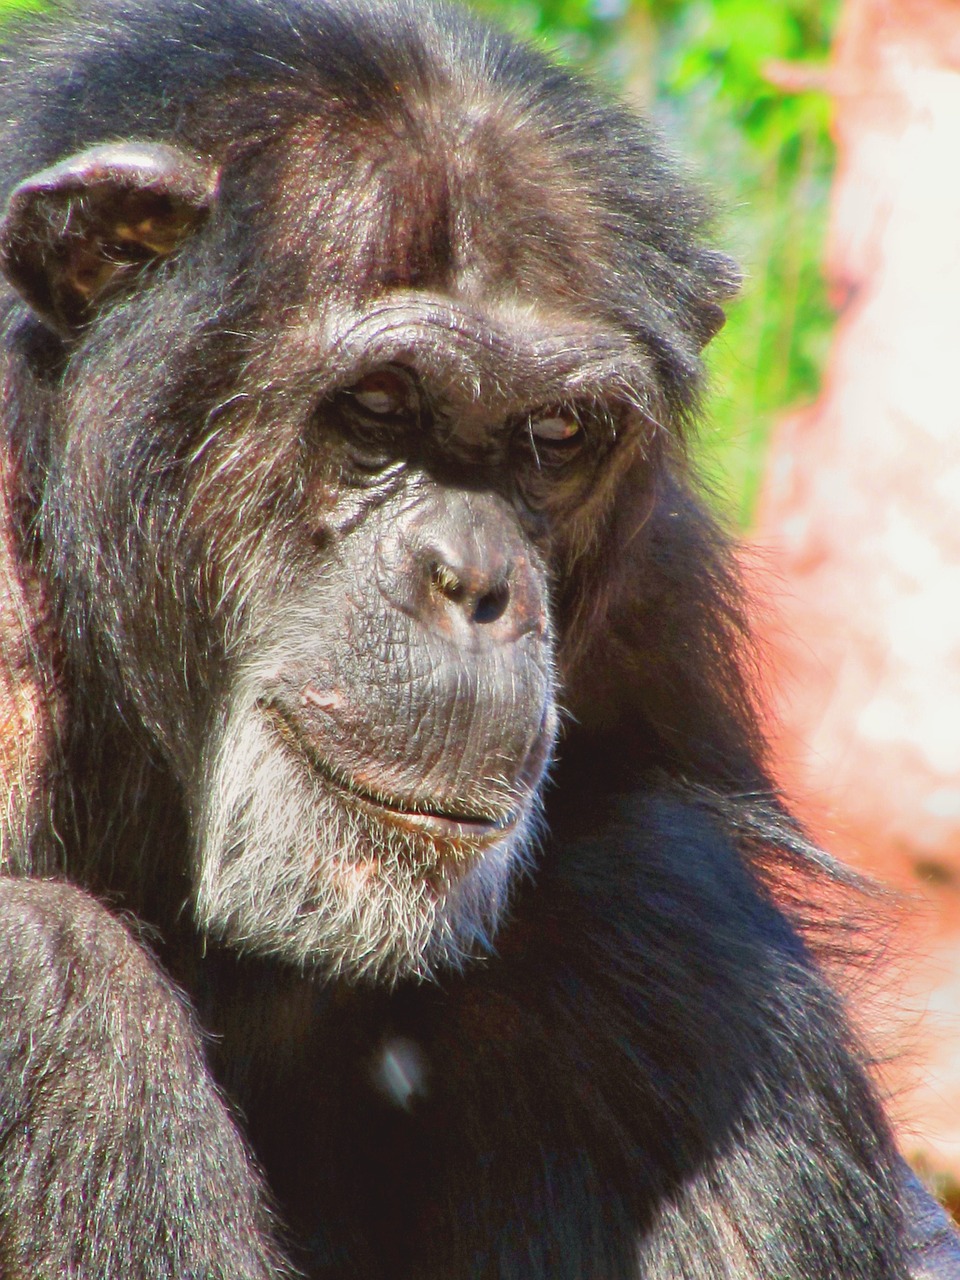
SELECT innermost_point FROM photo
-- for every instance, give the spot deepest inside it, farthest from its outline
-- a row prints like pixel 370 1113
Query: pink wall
pixel 860 525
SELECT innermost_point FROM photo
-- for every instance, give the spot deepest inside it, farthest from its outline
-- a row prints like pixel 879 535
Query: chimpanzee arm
pixel 117 1156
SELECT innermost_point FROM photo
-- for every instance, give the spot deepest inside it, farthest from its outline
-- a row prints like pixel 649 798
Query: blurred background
pixel 828 133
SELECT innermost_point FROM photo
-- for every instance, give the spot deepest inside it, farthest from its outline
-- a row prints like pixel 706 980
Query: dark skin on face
pixel 396 689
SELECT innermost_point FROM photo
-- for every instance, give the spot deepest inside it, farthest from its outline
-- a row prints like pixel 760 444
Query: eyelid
pixel 555 425
pixel 384 393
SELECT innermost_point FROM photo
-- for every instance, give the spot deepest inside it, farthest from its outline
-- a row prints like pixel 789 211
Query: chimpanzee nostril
pixel 471 592
pixel 493 605
pixel 446 582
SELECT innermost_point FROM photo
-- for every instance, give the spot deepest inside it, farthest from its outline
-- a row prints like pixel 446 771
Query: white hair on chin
pixel 288 867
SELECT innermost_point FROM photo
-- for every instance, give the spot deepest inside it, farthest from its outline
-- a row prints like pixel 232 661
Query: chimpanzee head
pixel 364 379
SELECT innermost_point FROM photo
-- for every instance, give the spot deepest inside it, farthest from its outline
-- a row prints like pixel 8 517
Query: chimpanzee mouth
pixel 425 816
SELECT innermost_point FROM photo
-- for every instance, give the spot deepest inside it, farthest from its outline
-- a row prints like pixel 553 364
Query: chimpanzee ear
pixel 79 231
pixel 720 281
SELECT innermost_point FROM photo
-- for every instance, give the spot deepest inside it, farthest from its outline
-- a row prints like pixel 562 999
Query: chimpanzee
pixel 398 895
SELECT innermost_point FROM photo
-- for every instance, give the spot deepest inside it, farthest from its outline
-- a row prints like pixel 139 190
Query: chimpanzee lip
pixel 423 815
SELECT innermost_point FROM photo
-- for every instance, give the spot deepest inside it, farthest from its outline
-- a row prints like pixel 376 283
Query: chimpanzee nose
pixel 477 585
pixel 464 569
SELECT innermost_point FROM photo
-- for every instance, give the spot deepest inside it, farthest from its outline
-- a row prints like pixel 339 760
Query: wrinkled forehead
pixel 452 192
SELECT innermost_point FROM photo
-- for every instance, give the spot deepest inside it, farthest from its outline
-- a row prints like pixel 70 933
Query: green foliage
pixel 575 29
pixel 718 67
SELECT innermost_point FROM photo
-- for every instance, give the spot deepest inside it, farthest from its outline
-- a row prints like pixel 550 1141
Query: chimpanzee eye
pixel 554 447
pixel 552 438
pixel 555 426
pixel 377 415
pixel 385 393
